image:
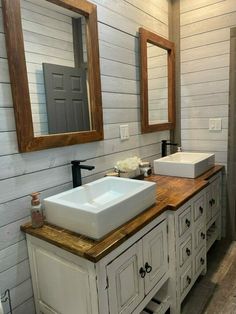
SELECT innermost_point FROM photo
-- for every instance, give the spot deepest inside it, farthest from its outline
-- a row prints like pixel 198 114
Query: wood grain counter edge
pixel 172 193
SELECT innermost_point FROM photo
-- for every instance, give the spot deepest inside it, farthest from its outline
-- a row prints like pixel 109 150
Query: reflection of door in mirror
pixel 56 60
pixel 157 72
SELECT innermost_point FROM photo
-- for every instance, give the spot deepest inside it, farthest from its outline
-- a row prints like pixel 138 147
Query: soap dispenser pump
pixel 37 217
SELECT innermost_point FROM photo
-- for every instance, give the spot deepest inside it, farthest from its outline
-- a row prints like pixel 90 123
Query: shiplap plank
pixel 120 116
pixel 116 37
pixel 205 38
pixel 4 72
pixel 3 53
pixel 119 85
pixel 204 145
pixel 26 307
pixel 205 100
pixel 186 5
pixel 15 275
pixel 44 9
pixel 205 64
pixel 1 22
pixel 204 112
pixel 113 130
pixel 205 88
pixel 204 135
pixel 5 95
pixel 7 119
pixel 218 22
pixel 44 20
pixel 208 12
pixel 205 76
pixel 19 295
pixel 118 69
pixel 112 52
pixel 110 100
pixel 200 123
pixel 149 7
pixel 208 51
pixel 8 143
pixel 123 16
pixel 13 255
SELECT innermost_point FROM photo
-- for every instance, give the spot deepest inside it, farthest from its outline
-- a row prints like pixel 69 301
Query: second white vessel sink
pixel 99 207
pixel 184 164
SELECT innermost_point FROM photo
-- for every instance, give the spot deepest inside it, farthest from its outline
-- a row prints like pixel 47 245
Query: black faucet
pixel 164 144
pixel 76 171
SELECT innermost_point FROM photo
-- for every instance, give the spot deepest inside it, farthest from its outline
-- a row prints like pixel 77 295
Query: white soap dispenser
pixel 37 217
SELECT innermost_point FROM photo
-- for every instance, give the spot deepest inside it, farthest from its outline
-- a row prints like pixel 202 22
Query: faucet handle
pixel 77 161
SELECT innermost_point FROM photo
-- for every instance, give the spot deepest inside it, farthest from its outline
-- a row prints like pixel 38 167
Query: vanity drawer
pixel 200 236
pixel 200 260
pixel 186 279
pixel 185 251
pixel 184 221
pixel 199 207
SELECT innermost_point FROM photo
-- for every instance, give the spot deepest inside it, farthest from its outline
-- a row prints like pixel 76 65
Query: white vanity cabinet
pixel 122 282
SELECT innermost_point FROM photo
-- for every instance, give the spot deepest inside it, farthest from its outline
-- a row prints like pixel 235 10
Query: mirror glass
pixel 56 60
pixel 157 82
pixel 157 71
pixel 53 53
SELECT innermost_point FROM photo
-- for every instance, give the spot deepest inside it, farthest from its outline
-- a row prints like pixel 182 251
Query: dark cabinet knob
pixel 203 236
pixel 213 201
pixel 148 268
pixel 201 209
pixel 187 223
pixel 188 251
pixel 142 272
pixel 210 202
pixel 188 280
pixel 202 261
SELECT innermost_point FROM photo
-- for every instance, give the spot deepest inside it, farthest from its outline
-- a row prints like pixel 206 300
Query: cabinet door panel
pixel 126 287
pixel 62 287
pixel 155 255
pixel 216 196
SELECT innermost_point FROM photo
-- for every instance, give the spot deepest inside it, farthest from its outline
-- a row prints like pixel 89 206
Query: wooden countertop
pixel 172 192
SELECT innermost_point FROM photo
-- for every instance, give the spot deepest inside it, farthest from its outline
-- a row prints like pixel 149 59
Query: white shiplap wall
pixel 205 46
pixel 49 171
pixel 205 54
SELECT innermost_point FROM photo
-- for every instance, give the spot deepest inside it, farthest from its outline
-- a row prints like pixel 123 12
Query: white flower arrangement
pixel 128 165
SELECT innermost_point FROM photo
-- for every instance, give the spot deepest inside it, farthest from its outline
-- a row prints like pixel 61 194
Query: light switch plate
pixel 215 124
pixel 124 132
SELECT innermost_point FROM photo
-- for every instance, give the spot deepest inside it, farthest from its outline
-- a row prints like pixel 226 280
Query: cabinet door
pixel 208 204
pixel 215 196
pixel 126 287
pixel 155 255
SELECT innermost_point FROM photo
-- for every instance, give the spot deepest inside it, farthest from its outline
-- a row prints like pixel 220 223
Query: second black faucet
pixel 76 171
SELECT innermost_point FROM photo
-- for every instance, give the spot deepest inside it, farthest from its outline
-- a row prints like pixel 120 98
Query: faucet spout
pixel 164 145
pixel 76 171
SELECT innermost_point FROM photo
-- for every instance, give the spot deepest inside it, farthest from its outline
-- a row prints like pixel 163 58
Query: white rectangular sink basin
pixel 184 164
pixel 99 207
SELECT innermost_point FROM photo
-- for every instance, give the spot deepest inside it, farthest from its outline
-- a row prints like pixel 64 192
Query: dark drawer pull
pixel 188 280
pixel 188 223
pixel 148 268
pixel 188 252
pixel 210 202
pixel 142 272
pixel 202 261
pixel 213 201
pixel 201 209
pixel 203 236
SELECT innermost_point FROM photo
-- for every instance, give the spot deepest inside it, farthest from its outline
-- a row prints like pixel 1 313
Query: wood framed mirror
pixel 157 82
pixel 57 38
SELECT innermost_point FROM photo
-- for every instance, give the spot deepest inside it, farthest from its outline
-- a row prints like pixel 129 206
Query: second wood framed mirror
pixel 157 82
pixel 53 55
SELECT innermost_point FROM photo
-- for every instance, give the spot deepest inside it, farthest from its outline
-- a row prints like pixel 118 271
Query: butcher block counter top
pixel 172 192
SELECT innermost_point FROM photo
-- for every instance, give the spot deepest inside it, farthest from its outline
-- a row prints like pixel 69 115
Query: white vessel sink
pixel 97 208
pixel 184 164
